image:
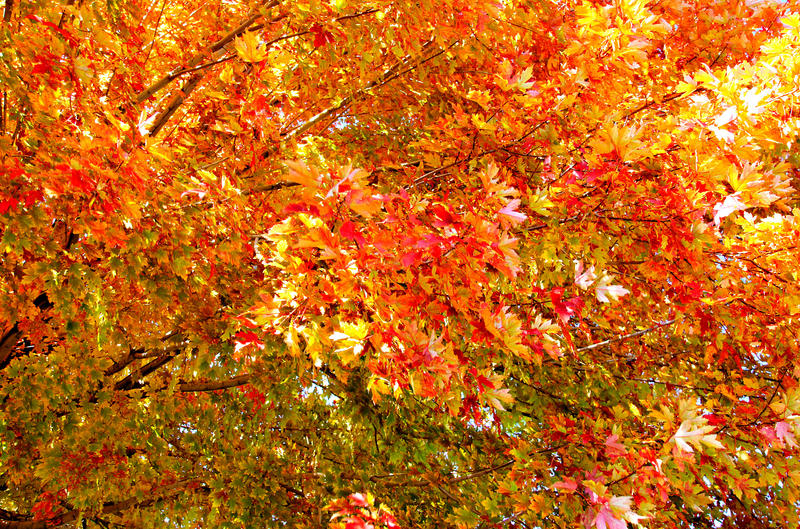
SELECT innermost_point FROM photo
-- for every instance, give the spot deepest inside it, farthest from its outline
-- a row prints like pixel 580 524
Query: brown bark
pixel 200 57
pixel 8 10
pixel 241 380
pixel 111 508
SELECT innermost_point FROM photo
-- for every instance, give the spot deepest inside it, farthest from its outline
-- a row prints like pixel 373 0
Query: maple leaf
pixel 605 519
pixel 359 500
pixel 510 212
pixel 611 513
pixel 694 432
pixel 8 204
pixel 348 230
pixel 783 432
pixel 322 36
pixel 301 174
pixel 731 204
pixel 245 338
pixel 496 398
pixel 569 485
pixel 614 448
pixel 249 47
pixel 606 292
pixel 768 432
pixel 584 278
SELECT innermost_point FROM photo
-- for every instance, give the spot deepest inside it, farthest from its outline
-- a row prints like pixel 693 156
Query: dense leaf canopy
pixel 421 264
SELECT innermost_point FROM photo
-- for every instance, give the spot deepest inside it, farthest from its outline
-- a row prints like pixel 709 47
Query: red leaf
pixel 299 207
pixel 715 420
pixel 245 338
pixel 567 335
pixel 81 180
pixel 427 241
pixel 769 434
pixel 614 448
pixel 443 217
pixel 31 197
pixel 568 484
pixel 41 67
pixel 389 520
pixel 355 523
pixel 321 37
pixel 359 500
pixel 7 204
pixel 565 309
pixel 409 259
pixel 348 231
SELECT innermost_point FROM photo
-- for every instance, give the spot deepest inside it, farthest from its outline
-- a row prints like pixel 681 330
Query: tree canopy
pixel 380 264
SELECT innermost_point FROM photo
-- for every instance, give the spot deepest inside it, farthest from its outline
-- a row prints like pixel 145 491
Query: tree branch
pixel 111 508
pixel 195 65
pixel 190 387
pixel 480 472
pixel 200 57
pixel 175 102
pixel 270 187
pixel 452 481
pixel 387 76
pixel 12 337
pixel 625 337
pixel 132 381
pixel 8 10
pixel 7 343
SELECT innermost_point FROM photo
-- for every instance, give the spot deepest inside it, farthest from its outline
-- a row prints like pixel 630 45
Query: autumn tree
pixel 429 264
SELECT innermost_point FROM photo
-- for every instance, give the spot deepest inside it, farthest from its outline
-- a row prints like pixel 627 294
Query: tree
pixel 399 264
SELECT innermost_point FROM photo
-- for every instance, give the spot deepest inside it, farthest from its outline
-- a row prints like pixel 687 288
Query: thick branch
pixel 241 380
pixel 195 65
pixel 175 102
pixel 11 337
pixel 7 343
pixel 8 10
pixel 200 57
pixel 111 508
pixel 121 364
pixel 132 381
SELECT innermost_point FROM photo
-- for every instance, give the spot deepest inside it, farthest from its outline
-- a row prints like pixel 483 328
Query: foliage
pixel 399 264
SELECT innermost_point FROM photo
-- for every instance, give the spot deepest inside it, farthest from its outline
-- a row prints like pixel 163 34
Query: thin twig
pixel 625 337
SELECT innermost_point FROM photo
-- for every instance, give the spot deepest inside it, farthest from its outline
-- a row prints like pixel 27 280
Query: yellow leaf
pixel 301 174
pixel 792 21
pixel 378 387
pixel 226 75
pixel 249 48
pixel 496 398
